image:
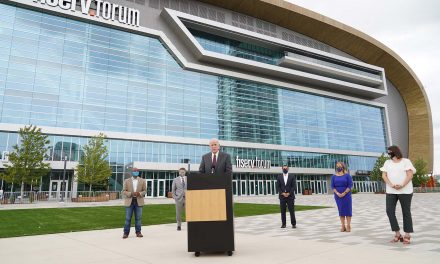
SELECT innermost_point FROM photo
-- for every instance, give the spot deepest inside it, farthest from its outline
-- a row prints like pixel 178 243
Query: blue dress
pixel 341 183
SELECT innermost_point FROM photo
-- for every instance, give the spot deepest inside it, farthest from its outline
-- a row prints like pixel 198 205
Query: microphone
pixel 212 168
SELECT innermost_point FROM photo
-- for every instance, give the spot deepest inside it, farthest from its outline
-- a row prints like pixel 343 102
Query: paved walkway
pixel 326 200
pixel 258 239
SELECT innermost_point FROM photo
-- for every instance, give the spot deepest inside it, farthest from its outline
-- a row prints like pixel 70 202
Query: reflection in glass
pixel 63 73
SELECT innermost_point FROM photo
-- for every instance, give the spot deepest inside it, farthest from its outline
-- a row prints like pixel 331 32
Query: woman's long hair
pixel 344 168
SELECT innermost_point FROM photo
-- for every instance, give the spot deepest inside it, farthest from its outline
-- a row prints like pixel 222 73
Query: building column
pixel 75 184
pixel 329 187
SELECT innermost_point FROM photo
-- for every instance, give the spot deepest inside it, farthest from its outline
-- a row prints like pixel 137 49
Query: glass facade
pixel 248 51
pixel 237 48
pixel 253 52
pixel 123 152
pixel 63 73
pixel 58 72
pixel 321 61
pixel 265 184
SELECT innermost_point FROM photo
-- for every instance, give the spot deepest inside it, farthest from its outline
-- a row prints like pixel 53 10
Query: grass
pixel 27 222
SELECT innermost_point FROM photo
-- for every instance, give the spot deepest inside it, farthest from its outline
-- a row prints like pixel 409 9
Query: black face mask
pixel 391 154
pixel 285 171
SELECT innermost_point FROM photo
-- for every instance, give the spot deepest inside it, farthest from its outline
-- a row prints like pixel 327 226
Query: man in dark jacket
pixel 215 161
pixel 286 186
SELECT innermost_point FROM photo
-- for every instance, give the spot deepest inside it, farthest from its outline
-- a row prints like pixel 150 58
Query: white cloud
pixel 410 28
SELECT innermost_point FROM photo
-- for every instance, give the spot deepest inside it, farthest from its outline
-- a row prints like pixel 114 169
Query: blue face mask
pixel 135 173
pixel 285 171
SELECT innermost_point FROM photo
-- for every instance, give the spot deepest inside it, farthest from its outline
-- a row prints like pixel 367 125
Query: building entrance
pixel 57 188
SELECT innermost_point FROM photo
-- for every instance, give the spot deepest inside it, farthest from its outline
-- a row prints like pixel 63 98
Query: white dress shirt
pixel 286 176
pixel 135 184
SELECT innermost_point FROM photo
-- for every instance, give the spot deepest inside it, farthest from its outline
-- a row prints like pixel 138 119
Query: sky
pixel 410 28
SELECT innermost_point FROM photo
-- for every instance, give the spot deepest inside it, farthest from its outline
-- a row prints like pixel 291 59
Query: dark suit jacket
pixel 224 164
pixel 290 187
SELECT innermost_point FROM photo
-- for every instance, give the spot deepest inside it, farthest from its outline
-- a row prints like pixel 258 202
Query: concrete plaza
pixel 259 239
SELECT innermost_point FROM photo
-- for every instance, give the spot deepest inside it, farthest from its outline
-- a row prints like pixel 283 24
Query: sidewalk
pixel 326 200
pixel 258 239
pixel 56 204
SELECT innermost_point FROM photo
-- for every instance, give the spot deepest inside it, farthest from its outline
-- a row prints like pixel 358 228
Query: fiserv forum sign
pixel 252 163
pixel 104 9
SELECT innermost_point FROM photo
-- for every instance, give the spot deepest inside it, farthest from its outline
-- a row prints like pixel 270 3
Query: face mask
pixel 391 154
pixel 135 173
pixel 339 169
pixel 285 171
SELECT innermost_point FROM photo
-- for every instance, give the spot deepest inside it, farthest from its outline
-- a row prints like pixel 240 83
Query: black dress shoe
pixel 293 226
pixel 179 228
pixel 283 226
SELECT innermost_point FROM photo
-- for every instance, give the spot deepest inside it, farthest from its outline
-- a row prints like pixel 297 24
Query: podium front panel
pixel 205 205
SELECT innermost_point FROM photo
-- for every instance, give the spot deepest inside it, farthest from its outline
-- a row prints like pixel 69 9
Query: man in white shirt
pixel 286 186
pixel 178 189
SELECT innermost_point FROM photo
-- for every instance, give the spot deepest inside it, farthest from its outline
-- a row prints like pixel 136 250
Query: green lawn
pixel 26 222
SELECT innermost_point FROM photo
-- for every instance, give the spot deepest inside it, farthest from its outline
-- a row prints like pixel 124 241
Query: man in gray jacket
pixel 215 161
pixel 179 188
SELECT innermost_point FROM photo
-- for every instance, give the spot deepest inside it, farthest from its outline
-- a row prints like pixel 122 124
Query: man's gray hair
pixel 214 139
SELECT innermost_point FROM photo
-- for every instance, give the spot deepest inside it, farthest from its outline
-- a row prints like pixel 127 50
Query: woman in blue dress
pixel 341 184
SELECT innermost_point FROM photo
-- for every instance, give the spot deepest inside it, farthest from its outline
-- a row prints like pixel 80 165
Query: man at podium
pixel 209 207
pixel 215 161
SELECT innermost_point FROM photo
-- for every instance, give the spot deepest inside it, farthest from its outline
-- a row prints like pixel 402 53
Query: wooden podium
pixel 209 213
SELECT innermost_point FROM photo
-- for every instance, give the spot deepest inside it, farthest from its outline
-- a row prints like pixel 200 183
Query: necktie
pixel 183 181
pixel 214 160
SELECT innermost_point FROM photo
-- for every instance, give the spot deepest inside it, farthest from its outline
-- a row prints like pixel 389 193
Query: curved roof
pixel 359 45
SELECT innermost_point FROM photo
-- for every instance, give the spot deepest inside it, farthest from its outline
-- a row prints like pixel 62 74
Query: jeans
pixel 137 210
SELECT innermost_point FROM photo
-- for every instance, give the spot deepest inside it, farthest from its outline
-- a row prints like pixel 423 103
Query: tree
pixel 27 159
pixel 93 167
pixel 421 176
pixel 376 173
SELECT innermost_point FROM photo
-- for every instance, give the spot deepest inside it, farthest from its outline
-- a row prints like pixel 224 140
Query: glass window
pixel 113 75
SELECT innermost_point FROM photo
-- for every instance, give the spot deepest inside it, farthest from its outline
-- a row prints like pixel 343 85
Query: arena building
pixel 276 84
